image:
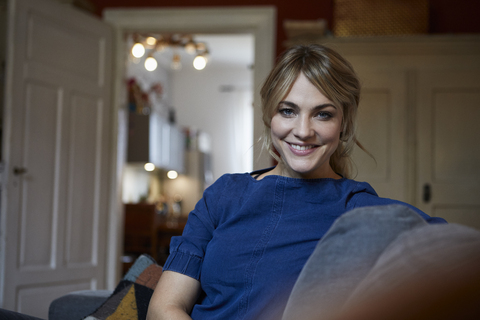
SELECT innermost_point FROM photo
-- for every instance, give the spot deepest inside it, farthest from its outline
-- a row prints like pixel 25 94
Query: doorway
pixel 257 21
pixel 208 115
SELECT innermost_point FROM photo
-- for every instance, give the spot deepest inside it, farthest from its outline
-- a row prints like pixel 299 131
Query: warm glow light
pixel 149 166
pixel 199 62
pixel 201 46
pixel 151 64
pixel 138 50
pixel 190 47
pixel 172 174
pixel 176 64
pixel 151 41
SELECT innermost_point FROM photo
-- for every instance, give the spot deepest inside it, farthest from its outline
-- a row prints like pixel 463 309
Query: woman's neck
pixel 282 170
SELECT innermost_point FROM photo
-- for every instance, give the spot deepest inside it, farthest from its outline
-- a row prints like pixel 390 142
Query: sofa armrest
pixel 77 305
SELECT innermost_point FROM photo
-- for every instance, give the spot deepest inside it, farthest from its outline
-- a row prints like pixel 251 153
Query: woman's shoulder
pixel 361 187
pixel 231 181
pixel 365 196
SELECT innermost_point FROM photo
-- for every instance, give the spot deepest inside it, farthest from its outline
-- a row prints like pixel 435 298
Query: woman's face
pixel 305 131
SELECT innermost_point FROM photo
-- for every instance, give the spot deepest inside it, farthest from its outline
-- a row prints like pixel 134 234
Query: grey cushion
pixel 77 305
pixel 437 251
pixel 344 257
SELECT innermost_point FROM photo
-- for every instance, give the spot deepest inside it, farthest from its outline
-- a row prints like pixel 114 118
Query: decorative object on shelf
pixel 157 89
pixel 151 44
pixel 138 100
pixel 379 17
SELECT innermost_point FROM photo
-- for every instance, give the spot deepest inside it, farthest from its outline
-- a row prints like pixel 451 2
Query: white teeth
pixel 301 148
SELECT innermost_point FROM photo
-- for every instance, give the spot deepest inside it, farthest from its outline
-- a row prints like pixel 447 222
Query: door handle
pixel 427 193
pixel 18 171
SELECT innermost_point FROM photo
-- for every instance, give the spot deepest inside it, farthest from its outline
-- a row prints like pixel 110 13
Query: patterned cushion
pixel 132 295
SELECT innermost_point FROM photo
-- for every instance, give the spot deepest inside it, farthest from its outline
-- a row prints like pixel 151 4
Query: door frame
pixel 259 21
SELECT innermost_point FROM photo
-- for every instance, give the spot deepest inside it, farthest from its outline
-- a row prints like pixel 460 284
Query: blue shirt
pixel 247 240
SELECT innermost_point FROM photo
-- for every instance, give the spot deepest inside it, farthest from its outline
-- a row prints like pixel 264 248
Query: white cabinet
pixel 152 138
pixel 418 116
pixel 166 144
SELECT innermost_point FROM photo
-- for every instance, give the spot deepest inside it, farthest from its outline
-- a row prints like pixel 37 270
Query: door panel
pixel 455 130
pixel 37 185
pixel 83 209
pixel 50 43
pixel 31 299
pixel 57 127
pixel 382 131
pixel 373 118
pixel 467 215
pixel 449 150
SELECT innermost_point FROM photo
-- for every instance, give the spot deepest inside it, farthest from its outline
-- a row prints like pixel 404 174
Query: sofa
pixel 381 262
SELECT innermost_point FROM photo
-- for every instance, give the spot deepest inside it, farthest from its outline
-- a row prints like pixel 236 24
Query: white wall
pixel 201 101
pixel 136 184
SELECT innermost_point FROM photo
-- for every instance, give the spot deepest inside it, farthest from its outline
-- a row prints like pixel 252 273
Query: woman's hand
pixel 173 297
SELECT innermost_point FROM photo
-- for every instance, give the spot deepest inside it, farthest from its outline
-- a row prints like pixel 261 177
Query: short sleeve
pixel 187 251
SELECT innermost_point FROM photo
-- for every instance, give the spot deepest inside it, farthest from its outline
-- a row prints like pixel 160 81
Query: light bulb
pixel 151 64
pixel 199 62
pixel 149 166
pixel 201 46
pixel 190 47
pixel 151 41
pixel 176 64
pixel 172 174
pixel 138 50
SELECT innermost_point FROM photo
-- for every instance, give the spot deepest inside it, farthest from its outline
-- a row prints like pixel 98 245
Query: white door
pixel 448 182
pixel 382 131
pixel 57 148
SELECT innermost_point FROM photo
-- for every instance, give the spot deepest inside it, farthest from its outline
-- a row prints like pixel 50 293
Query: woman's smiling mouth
pixel 302 149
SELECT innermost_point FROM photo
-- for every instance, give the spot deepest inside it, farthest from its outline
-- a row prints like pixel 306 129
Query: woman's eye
pixel 324 115
pixel 286 112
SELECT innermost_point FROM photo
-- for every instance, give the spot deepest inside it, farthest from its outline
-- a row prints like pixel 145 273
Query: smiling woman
pixel 320 79
pixel 305 131
pixel 247 240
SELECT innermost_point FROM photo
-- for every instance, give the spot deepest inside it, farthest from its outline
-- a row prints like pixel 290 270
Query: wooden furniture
pixel 166 229
pixel 148 232
pixel 140 230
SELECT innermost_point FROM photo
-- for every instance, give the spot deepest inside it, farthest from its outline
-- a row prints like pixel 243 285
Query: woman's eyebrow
pixel 319 107
pixel 323 106
pixel 290 104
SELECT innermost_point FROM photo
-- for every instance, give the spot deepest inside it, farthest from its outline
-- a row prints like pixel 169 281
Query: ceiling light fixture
pixel 150 63
pixel 199 62
pixel 152 44
pixel 138 50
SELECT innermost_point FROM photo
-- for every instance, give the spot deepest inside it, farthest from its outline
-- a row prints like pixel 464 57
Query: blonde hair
pixel 333 76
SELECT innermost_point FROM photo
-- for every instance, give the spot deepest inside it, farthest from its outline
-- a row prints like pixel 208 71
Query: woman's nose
pixel 303 128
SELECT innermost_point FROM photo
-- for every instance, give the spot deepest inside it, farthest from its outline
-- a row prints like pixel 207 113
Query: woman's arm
pixel 173 297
